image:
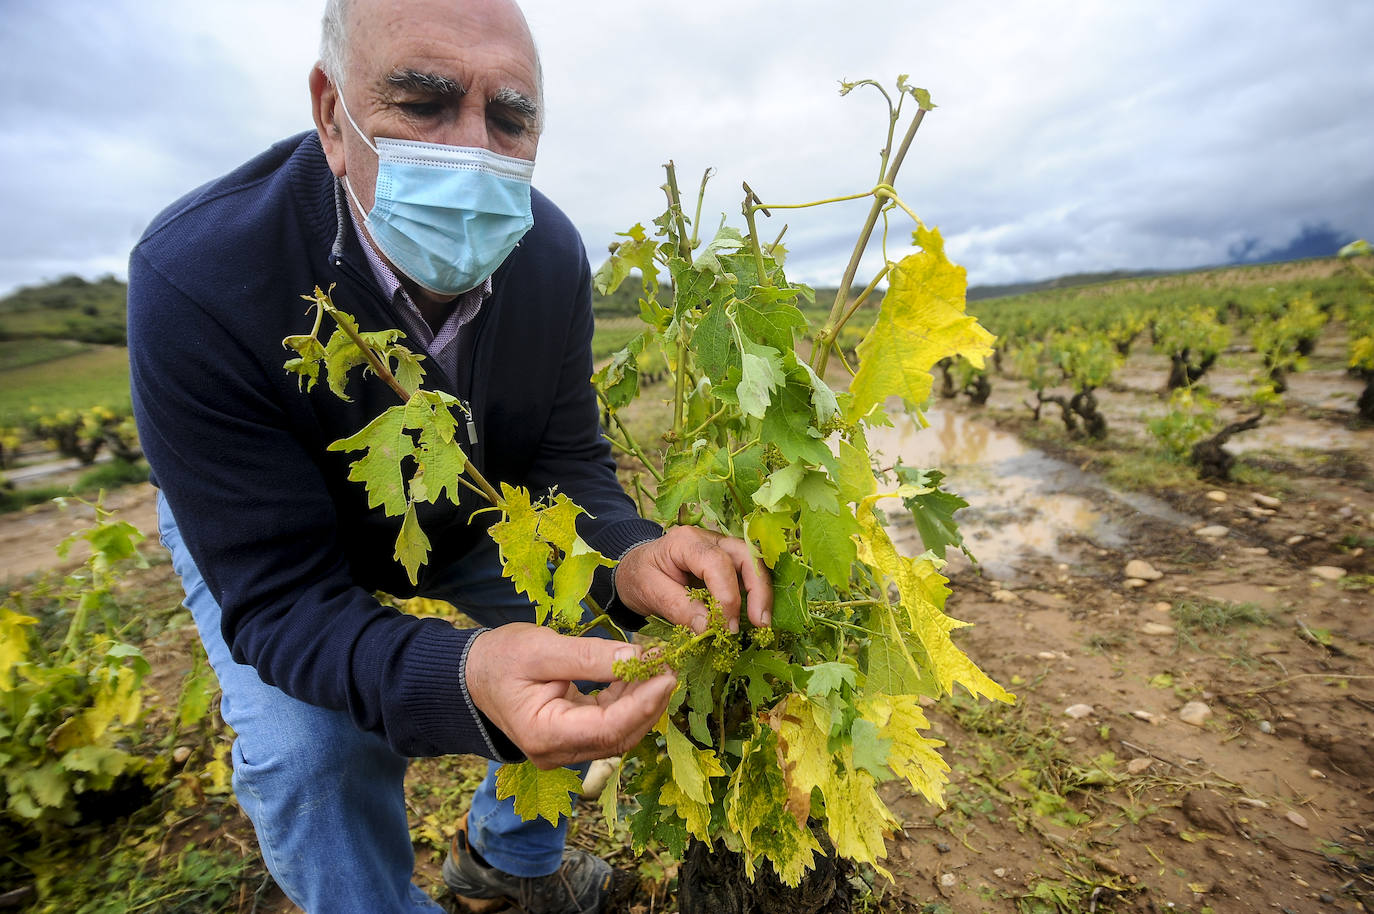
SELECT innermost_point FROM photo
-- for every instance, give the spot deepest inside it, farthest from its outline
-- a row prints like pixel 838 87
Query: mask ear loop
pixel 362 136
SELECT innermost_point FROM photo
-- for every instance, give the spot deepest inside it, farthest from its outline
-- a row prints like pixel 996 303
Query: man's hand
pixel 653 578
pixel 521 676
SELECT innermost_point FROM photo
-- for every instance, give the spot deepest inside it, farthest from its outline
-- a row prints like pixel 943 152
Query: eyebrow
pixel 409 80
pixel 419 81
pixel 518 102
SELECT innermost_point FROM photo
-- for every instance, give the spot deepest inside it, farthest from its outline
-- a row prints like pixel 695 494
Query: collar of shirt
pixel 443 345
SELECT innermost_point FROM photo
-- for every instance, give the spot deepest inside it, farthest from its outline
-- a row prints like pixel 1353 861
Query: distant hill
pixel 976 293
pixel 70 308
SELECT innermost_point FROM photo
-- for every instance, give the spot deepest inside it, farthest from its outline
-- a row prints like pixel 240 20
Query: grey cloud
pixel 1070 137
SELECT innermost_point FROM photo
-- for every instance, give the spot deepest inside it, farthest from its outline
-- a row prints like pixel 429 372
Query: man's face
pixel 456 72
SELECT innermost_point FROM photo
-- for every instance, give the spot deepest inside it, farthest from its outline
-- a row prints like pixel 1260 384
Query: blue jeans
pixel 327 800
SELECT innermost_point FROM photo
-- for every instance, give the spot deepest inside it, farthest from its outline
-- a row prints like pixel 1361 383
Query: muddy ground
pixel 1093 793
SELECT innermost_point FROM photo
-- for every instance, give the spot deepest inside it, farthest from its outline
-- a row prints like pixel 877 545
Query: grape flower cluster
pixel 683 646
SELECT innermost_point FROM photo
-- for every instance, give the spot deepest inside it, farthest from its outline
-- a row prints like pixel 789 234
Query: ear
pixel 324 96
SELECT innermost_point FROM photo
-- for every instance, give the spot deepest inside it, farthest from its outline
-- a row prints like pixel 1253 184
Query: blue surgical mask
pixel 445 216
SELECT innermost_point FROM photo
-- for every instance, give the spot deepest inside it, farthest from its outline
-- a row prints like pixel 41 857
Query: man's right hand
pixel 521 677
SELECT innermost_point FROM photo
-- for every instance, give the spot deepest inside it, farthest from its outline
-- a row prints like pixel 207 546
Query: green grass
pixel 20 353
pixel 1213 617
pixel 106 476
pixel 612 335
pixel 99 377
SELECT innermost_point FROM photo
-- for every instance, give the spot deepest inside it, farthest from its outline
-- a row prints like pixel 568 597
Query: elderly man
pixel 411 198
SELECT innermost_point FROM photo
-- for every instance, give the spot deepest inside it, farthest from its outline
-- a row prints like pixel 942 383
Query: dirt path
pixel 29 538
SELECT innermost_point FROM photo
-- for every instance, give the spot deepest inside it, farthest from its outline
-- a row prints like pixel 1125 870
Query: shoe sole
pixel 484 905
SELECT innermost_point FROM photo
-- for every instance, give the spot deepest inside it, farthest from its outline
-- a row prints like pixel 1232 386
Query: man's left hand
pixel 652 579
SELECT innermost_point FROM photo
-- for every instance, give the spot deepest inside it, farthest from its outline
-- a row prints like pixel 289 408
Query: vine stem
pixel 379 366
pixel 752 204
pixel 825 338
pixel 601 619
pixel 684 246
pixel 859 302
pixel 710 420
pixel 629 445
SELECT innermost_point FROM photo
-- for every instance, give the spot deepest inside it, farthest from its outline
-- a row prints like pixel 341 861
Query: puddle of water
pixel 1296 432
pixel 1022 503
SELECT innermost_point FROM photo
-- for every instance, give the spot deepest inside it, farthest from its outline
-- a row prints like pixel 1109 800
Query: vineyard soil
pixel 1093 792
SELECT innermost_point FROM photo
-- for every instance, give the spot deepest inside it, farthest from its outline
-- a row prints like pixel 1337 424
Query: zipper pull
pixel 466 407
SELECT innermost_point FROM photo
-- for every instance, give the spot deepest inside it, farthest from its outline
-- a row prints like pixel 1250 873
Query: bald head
pixel 335 32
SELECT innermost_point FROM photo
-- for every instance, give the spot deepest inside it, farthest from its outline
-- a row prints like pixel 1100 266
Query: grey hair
pixel 334 39
pixel 334 46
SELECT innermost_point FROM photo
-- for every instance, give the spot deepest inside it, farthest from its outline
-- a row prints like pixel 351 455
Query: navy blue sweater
pixel 286 544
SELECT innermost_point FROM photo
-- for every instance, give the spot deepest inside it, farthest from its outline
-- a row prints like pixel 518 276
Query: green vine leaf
pixel 310 353
pixel 385 444
pixel 538 793
pixel 412 545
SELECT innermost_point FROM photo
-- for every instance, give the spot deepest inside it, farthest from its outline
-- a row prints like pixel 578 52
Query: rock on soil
pixel 1207 811
pixel 1328 572
pixel 1139 568
pixel 1195 713
pixel 1213 531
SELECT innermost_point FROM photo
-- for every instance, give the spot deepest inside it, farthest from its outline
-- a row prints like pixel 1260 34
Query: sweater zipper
pixel 483 318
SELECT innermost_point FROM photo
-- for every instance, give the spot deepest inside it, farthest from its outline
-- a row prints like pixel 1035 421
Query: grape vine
pixel 775 733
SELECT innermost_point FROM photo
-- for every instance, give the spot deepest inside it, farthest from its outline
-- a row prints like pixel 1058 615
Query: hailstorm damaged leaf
pixel 922 321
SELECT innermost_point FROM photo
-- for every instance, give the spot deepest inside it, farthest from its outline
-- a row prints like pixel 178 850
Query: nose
pixel 470 129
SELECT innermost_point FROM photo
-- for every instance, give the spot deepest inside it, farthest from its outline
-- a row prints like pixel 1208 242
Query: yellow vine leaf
pixel 412 545
pixel 386 444
pixel 857 819
pixel 755 810
pixel 919 586
pixel 524 558
pixel 609 800
pixel 696 815
pixel 14 643
pixel 119 696
pixel 546 794
pixel 911 755
pixel 803 729
pixel 921 321
pixel 572 579
pixel 692 767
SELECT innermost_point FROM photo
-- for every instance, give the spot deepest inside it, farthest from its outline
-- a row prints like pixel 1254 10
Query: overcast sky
pixel 1071 136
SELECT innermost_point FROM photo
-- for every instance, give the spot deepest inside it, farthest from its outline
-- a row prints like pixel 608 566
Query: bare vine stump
pixel 1212 459
pixel 712 881
pixel 978 390
pixel 1184 373
pixel 1365 404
